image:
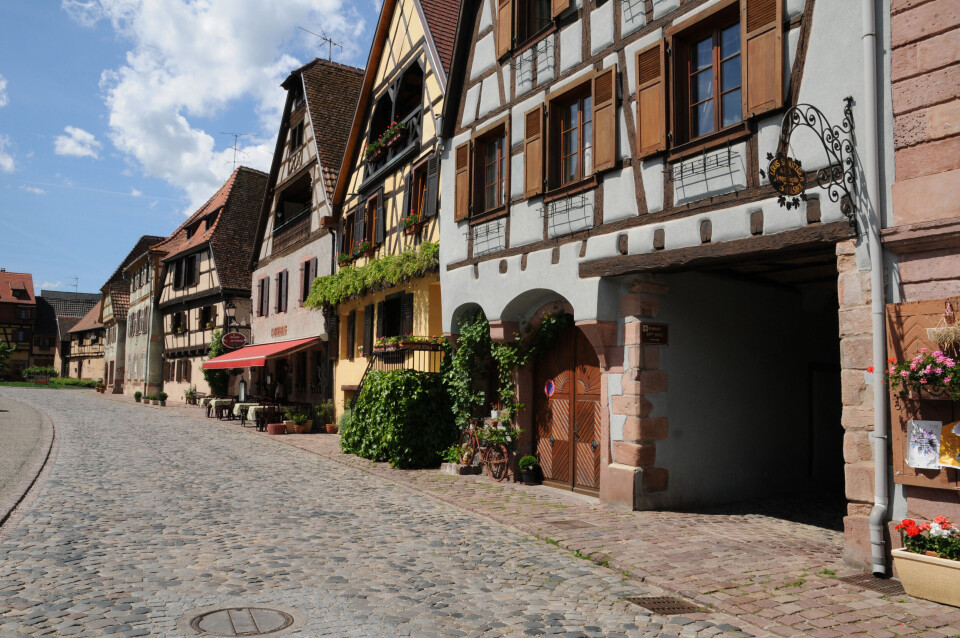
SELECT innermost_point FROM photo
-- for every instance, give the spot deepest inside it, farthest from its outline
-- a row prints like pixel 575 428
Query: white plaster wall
pixel 601 28
pixel 486 16
pixel 619 195
pixel 526 224
pixel 715 180
pixel 651 172
pixel 453 245
pixel 470 105
pixel 523 64
pixel 489 95
pixel 546 67
pixel 630 52
pixel 570 50
pixel 517 113
pixel 484 56
pixel 663 7
pixel 632 15
pixel 490 237
pixel 570 214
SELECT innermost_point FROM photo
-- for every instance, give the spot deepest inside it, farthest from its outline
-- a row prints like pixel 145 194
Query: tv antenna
pixel 236 136
pixel 329 42
pixel 76 283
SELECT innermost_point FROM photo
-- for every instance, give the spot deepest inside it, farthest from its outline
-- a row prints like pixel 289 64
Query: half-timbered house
pixel 87 337
pixel 206 266
pixel 144 330
pixel 18 308
pixel 295 240
pixel 114 308
pixel 386 192
pixel 57 313
pixel 611 160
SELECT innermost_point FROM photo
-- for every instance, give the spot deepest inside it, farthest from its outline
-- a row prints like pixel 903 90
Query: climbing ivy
pixel 389 270
pixel 468 364
pixel 218 380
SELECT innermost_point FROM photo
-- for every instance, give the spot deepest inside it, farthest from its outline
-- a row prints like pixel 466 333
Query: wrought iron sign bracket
pixel 838 178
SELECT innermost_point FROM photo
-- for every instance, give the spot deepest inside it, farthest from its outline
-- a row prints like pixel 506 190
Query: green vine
pixel 389 270
pixel 218 380
pixel 473 349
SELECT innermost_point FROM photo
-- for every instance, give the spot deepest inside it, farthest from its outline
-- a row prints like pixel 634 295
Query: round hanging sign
pixel 234 340
pixel 549 389
pixel 786 176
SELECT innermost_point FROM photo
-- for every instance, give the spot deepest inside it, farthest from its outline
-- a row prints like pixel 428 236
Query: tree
pixel 218 380
pixel 6 351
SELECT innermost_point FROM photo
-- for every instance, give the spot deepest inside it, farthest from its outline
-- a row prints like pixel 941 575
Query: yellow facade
pixel 404 47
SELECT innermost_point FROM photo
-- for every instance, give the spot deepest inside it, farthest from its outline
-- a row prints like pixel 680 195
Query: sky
pixel 113 114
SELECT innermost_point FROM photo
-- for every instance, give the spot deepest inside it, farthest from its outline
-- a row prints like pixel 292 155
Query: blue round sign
pixel 549 388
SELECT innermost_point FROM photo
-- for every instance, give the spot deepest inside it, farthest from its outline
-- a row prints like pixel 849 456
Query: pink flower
pixel 936 353
pixel 904 374
pixel 913 366
pixel 923 350
pixel 892 370
pixel 927 369
pixel 947 379
pixel 938 370
pixel 923 380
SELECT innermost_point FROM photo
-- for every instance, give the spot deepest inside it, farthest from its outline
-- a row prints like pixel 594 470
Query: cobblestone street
pixel 147 516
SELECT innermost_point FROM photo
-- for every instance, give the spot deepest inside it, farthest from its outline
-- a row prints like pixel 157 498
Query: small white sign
pixel 923 444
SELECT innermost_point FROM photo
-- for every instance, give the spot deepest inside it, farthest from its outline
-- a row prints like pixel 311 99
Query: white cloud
pixel 76 143
pixel 33 189
pixel 6 159
pixel 191 60
pixel 4 98
pixel 51 285
pixel 135 193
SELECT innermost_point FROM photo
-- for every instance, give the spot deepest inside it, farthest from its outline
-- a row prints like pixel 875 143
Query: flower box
pixel 395 138
pixel 419 345
pixel 928 577
pixel 413 229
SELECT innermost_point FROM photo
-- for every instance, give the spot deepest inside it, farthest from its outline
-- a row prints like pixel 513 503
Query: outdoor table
pixel 204 401
pixel 256 409
pixel 238 408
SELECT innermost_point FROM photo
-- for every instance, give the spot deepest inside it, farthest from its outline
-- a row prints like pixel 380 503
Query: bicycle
pixel 493 457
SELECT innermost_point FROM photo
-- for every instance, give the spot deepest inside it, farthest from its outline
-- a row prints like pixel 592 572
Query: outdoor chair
pixel 225 410
pixel 266 415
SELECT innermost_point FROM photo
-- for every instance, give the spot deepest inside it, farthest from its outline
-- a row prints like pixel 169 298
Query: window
pixel 573 126
pixel 351 334
pixel 533 16
pixel 727 67
pixel 208 317
pixel 283 282
pixel 186 271
pixel 418 192
pixel 493 171
pixel 263 299
pixel 482 173
pixel 296 136
pixel 520 22
pixel 177 322
pixel 395 316
pixel 308 272
pixel 346 233
pixel 368 330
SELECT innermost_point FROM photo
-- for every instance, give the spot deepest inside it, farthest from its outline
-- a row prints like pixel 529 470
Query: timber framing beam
pixel 692 257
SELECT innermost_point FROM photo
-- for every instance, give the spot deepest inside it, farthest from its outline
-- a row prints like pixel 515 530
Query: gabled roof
pixel 118 285
pixel 65 325
pixel 90 321
pixel 457 77
pixel 46 318
pixel 19 283
pixel 233 211
pixel 69 304
pixel 441 24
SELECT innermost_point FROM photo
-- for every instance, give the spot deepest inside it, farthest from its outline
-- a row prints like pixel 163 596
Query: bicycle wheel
pixel 495 458
pixel 468 448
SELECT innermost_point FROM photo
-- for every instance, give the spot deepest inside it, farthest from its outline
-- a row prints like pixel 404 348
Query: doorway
pixel 567 413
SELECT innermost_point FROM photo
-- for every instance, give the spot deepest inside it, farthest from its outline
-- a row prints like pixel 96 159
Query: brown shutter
pixel 463 182
pixel 651 100
pixel 260 297
pixel 286 290
pixel 407 187
pixel 187 370
pixel 303 277
pixel 278 303
pixel 605 119
pixel 381 221
pixel 558 6
pixel 380 319
pixel 213 315
pixel 368 330
pixel 761 34
pixel 351 333
pixel 533 152
pixel 433 187
pixel 406 314
pixel 312 275
pixel 504 27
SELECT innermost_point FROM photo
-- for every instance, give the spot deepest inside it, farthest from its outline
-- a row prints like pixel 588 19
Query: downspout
pixel 871 178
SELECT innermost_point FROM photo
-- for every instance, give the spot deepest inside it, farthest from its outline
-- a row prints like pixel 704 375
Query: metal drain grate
pixel 570 524
pixel 665 605
pixel 241 621
pixel 889 586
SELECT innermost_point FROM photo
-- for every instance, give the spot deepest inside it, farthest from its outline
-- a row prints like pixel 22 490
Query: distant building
pixel 206 270
pixel 85 360
pixel 17 311
pixel 57 313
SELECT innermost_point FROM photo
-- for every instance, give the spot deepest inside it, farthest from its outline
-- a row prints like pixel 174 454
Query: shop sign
pixel 786 176
pixel 234 340
pixel 655 334
pixel 279 331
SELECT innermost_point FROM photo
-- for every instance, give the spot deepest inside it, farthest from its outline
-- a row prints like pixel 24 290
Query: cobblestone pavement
pixel 770 575
pixel 146 515
pixel 25 440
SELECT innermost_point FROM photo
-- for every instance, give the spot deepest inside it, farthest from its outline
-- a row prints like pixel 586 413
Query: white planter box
pixel 929 577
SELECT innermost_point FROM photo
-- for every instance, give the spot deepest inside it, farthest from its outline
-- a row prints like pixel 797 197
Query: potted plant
pixel 288 422
pixel 933 374
pixel 325 416
pixel 137 396
pixel 929 562
pixel 363 248
pixel 411 224
pixel 528 470
pixel 343 259
pixel 301 424
pixel 190 395
pixel 100 386
pixel 208 325
pixel 162 396
pixel 393 134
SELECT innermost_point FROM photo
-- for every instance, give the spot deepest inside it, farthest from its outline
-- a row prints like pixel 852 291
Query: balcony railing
pixel 423 357
pixel 292 230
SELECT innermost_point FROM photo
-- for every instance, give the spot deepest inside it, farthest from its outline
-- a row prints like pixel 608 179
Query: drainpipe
pixel 871 174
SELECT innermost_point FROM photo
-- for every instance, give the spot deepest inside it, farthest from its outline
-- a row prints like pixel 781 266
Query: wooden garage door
pixel 568 414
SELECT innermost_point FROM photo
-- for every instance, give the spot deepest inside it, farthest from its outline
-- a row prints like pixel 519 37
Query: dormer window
pixel 296 136
pixel 298 101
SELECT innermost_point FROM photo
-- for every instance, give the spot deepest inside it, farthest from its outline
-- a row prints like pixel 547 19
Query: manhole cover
pixel 888 586
pixel 665 605
pixel 570 524
pixel 241 621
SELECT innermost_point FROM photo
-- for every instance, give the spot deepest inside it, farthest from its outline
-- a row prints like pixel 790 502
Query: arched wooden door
pixel 568 413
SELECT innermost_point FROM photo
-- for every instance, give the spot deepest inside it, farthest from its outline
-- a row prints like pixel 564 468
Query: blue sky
pixel 111 113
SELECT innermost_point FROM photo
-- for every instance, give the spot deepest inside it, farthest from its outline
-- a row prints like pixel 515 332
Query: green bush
pixel 401 416
pixel 39 371
pixel 218 380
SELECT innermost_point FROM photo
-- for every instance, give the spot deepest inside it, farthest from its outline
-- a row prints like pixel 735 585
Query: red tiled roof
pixel 90 322
pixel 442 21
pixel 10 281
pixel 232 231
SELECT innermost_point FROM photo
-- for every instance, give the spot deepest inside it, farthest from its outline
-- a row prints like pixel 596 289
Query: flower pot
pixel 289 425
pixel 530 477
pixel 163 404
pixel 136 399
pixel 331 428
pixel 929 577
pixel 299 429
pixel 413 229
pixel 276 428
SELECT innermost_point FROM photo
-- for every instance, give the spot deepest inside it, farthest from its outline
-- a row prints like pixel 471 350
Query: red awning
pixel 256 356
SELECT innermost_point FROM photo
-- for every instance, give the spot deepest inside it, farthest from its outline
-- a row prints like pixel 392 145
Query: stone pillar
pixel 856 355
pixel 633 475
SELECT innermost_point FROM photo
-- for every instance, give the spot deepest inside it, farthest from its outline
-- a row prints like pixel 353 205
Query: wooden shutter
pixel 286 289
pixel 651 100
pixel 406 314
pixel 558 6
pixel 359 222
pixel 304 266
pixel 351 333
pixel 178 274
pixel 761 35
pixel 340 236
pixel 381 221
pixel 277 305
pixel 504 27
pixel 462 182
pixel 405 211
pixel 368 330
pixel 187 370
pixel 380 319
pixel 433 186
pixel 196 268
pixel 605 119
pixel 533 152
pixel 312 274
pixel 213 315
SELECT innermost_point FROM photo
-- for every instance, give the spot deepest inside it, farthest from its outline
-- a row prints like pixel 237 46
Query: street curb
pixel 23 488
